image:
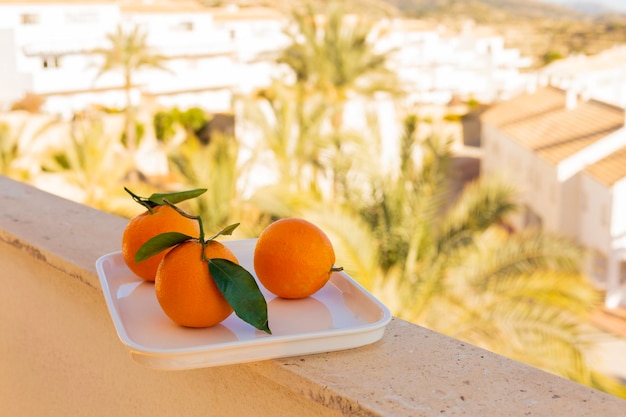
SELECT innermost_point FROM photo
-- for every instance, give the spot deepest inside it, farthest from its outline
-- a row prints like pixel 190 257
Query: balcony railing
pixel 60 355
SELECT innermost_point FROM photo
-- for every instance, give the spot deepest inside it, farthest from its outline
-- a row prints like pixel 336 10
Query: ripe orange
pixel 293 258
pixel 185 288
pixel 147 225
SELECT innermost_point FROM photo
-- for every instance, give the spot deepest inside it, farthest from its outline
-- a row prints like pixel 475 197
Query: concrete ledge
pixel 59 354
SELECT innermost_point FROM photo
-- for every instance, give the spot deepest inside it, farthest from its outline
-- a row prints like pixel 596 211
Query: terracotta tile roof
pixel 610 169
pixel 541 122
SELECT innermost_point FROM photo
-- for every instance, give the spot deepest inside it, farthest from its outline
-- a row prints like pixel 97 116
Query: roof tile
pixel 609 170
pixel 541 122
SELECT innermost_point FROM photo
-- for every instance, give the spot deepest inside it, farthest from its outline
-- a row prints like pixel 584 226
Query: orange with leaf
pixel 199 281
pixel 158 218
pixel 185 288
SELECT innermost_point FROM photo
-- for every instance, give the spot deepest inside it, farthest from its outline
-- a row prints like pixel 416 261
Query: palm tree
pixel 292 136
pixel 216 167
pixel 18 159
pixel 457 268
pixel 336 55
pixel 10 151
pixel 129 53
pixel 93 164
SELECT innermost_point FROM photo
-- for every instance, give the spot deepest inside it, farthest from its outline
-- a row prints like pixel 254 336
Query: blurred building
pixel 46 49
pixel 566 153
pixel 213 53
pixel 437 65
pixel 601 76
pixel 44 45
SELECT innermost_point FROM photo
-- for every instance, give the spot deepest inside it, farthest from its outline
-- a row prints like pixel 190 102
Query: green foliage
pixel 140 131
pixel 17 158
pixel 292 133
pixel 9 149
pixel 452 117
pixel 472 104
pixel 551 56
pixel 162 199
pixel 164 125
pixel 128 51
pixel 192 120
pixel 336 56
pixel 212 166
pixel 241 291
pixel 452 264
pixel 92 162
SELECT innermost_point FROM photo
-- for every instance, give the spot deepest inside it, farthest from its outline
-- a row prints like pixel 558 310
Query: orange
pixel 293 258
pixel 147 225
pixel 185 288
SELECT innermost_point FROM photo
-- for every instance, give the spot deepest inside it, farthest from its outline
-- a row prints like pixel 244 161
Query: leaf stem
pixel 192 217
pixel 228 230
pixel 140 200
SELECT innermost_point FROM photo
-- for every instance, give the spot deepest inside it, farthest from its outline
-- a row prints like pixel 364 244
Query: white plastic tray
pixel 342 315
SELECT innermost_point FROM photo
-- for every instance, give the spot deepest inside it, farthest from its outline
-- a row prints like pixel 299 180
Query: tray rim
pixel 374 329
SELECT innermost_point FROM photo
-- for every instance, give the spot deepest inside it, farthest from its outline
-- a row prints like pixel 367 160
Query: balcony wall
pixel 60 355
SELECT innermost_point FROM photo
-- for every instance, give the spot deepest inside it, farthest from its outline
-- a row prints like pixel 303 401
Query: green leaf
pixel 228 230
pixel 159 243
pixel 241 291
pixel 175 197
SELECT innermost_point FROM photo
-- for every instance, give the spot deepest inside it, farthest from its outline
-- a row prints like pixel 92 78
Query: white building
pixel 43 46
pixel 436 65
pixel 601 76
pixel 45 50
pixel 603 184
pixel 566 155
pixel 214 53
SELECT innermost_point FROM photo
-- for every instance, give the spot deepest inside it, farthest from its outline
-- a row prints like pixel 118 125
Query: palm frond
pixel 481 205
pixel 214 167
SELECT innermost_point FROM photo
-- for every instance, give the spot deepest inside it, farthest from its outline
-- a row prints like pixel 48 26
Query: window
pixel 30 19
pixel 51 62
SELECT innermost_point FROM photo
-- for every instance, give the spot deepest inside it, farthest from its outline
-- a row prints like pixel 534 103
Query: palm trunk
pixel 130 119
pixel 130 132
